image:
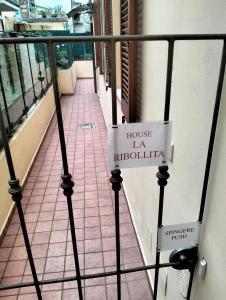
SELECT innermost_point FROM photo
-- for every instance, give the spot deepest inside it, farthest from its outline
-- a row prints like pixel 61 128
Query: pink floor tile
pixel 55 264
pixel 56 249
pixel 4 254
pixel 46 215
pixel 15 268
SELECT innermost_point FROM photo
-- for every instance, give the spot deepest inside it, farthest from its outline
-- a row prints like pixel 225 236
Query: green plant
pixel 40 77
pixel 49 11
pixel 61 57
pixel 88 55
pixel 63 63
pixel 43 13
pixel 58 11
pixel 57 8
pixel 33 10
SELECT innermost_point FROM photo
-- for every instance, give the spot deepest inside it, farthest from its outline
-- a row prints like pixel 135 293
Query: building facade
pixel 26 8
pixel 81 22
pixel 7 12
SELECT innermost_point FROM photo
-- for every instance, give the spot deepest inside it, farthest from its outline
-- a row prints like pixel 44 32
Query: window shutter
pixel 97 30
pixel 139 62
pixel 128 59
pixel 108 31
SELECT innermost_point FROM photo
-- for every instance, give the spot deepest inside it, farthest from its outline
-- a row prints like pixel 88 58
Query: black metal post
pixel 116 179
pixel 113 84
pixel 39 70
pixel 43 51
pixel 69 51
pixel 94 61
pixel 21 84
pixel 10 126
pixel 163 174
pixel 16 191
pixel 210 150
pixel 89 276
pixel 32 77
pixel 213 131
pixel 115 38
pixel 67 183
pixel 192 272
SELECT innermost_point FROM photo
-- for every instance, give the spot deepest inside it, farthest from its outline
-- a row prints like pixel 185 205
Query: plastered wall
pixel 195 75
pixel 24 146
pixel 67 79
pixel 84 68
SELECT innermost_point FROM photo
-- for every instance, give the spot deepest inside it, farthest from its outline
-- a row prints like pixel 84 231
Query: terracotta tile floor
pixel 46 214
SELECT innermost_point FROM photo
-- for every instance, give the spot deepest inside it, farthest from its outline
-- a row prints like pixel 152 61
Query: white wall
pixel 195 75
pixel 67 79
pixel 213 246
pixel 106 100
pixel 84 68
pixel 34 126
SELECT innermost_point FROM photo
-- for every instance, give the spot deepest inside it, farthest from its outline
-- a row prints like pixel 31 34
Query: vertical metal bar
pixel 6 148
pixel 53 69
pixel 192 272
pixel 10 127
pixel 213 131
pixel 169 80
pixel 116 186
pixel 32 77
pixel 94 62
pixel 16 191
pixel 20 77
pixel 116 179
pixel 210 150
pixel 163 175
pixel 67 183
pixel 43 51
pixel 71 58
pixel 113 84
pixel 39 68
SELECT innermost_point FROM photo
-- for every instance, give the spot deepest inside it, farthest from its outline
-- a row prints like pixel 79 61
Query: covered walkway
pixel 46 214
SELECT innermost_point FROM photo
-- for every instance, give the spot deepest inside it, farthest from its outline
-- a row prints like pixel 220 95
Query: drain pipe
pixel 94 61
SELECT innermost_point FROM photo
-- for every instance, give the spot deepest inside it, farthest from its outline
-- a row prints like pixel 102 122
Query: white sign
pixel 139 145
pixel 178 236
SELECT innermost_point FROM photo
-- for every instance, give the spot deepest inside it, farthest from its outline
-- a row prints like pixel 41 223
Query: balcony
pixel 36 153
pixel 82 147
pixel 46 213
pixel 11 5
pixel 25 76
pixel 24 80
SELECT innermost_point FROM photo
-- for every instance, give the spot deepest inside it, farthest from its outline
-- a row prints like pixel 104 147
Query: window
pixel 108 31
pixel 129 26
pixel 97 31
pixel 103 26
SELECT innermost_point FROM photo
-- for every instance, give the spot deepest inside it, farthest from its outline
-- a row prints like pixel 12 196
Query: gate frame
pixel 67 184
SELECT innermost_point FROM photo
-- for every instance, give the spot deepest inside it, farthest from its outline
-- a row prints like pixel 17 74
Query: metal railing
pixel 66 53
pixel 24 78
pixel 116 179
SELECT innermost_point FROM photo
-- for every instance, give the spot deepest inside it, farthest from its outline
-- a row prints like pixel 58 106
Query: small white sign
pixel 179 236
pixel 139 145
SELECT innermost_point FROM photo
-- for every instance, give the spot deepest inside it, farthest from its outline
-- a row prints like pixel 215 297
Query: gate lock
pixel 186 258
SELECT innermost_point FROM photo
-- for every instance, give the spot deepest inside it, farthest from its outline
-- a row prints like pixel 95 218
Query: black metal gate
pixel 182 261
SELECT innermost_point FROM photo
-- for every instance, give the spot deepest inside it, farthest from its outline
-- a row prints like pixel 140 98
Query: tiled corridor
pixel 46 214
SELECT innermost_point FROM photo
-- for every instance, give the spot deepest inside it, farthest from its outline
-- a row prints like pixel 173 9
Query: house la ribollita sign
pixel 139 145
pixel 149 144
